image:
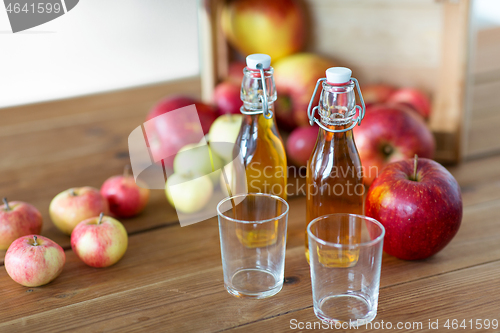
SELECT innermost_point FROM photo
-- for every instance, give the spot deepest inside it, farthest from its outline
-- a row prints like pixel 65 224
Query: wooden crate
pixel 420 43
pixel 482 135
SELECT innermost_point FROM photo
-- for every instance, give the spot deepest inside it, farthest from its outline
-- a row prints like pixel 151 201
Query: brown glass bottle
pixel 334 172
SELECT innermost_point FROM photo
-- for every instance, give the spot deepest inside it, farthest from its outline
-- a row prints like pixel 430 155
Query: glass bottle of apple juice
pixel 258 146
pixel 334 174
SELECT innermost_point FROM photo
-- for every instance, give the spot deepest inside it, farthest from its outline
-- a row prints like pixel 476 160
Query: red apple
pixel 295 78
pixel 235 72
pixel 206 113
pixel 300 144
pixel 18 219
pixel 34 260
pixel 99 241
pixel 376 93
pixel 167 136
pixel 421 211
pixel 125 197
pixel 414 98
pixel 389 134
pixel 273 27
pixel 227 97
pixel 72 206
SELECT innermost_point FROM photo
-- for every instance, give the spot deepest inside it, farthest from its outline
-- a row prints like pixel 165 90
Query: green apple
pixel 228 180
pixel 188 192
pixel 198 159
pixel 237 184
pixel 225 129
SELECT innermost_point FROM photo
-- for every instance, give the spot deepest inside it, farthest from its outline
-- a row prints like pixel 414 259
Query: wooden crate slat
pixel 487 52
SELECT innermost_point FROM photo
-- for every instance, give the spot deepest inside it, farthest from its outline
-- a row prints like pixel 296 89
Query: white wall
pixel 486 13
pixel 100 45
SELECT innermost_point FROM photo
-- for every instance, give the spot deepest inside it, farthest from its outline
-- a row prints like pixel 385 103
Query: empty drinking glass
pixel 253 239
pixel 345 252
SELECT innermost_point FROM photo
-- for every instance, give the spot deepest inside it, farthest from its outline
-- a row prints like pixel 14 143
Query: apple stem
pixel 72 192
pixel 126 171
pixel 35 243
pixel 388 150
pixel 415 167
pixel 100 218
pixel 7 207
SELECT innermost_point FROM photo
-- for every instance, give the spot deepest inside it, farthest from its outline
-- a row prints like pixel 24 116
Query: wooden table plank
pixel 19 184
pixel 186 261
pixel 148 94
pixel 478 171
pixel 171 277
pixel 50 147
pixel 454 295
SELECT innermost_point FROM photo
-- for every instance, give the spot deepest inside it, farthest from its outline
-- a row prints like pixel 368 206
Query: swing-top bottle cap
pixel 338 75
pixel 258 58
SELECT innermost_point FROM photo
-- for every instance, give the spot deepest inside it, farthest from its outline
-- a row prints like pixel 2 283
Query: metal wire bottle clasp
pixel 268 114
pixel 312 111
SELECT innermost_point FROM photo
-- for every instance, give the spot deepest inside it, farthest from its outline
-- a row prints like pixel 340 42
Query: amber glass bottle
pixel 334 172
pixel 259 145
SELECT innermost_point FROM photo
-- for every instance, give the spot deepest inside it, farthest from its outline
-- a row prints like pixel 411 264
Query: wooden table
pixel 171 277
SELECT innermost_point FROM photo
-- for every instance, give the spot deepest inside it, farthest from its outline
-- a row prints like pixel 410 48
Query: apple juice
pixel 334 181
pixel 259 146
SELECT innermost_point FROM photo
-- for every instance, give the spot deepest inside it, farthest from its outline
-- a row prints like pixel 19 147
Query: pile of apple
pixel 419 203
pixel 97 239
pixel 394 127
pixel 393 131
pixel 390 131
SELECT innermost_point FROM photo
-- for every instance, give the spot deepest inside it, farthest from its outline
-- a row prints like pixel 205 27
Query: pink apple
pixel 420 205
pixel 207 113
pixel 72 206
pixel 34 260
pixel 167 137
pixel 125 197
pixel 227 97
pixel 99 241
pixel 376 93
pixel 413 98
pixel 273 27
pixel 295 78
pixel 18 219
pixel 388 134
pixel 300 144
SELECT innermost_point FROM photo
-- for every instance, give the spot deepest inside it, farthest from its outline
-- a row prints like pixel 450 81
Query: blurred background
pixel 113 44
pixel 99 46
pixel 445 49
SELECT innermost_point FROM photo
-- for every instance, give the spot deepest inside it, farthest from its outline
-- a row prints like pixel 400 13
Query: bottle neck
pixel 337 106
pixel 337 138
pixel 259 119
pixel 252 89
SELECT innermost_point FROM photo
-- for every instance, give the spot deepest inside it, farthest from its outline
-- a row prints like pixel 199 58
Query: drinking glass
pixel 252 230
pixel 345 252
